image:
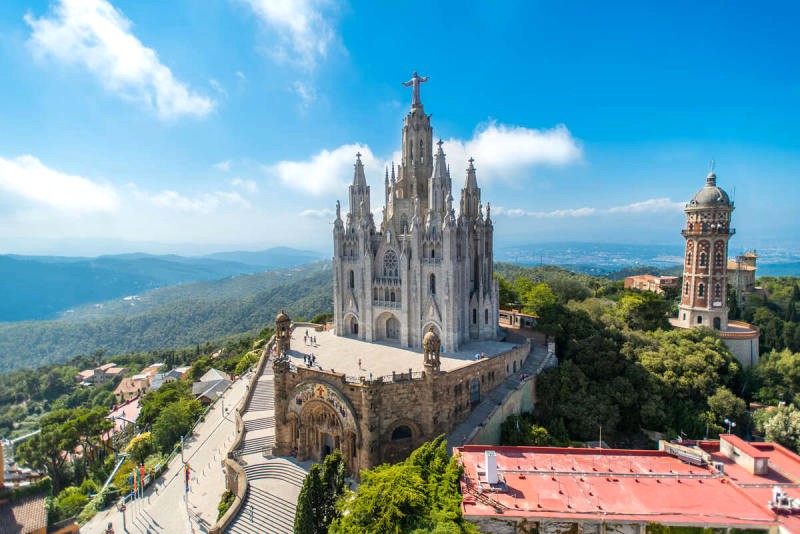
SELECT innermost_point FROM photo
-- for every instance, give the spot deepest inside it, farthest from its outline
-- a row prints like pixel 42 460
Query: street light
pixel 731 424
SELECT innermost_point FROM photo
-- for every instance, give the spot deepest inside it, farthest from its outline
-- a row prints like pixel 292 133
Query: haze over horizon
pixel 199 127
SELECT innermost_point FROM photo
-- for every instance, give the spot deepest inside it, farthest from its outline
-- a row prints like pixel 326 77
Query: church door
pixel 392 328
pixel 717 323
pixel 327 446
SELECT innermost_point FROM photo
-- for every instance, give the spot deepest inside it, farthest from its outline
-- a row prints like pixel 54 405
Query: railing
pixel 386 303
pixel 387 280
pixel 432 261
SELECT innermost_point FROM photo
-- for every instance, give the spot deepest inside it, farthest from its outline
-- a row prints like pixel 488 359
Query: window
pixel 352 280
pixel 689 258
pixel 686 288
pixel 691 226
pixel 474 391
pixel 474 316
pixel 699 319
pixel 421 151
pixel 401 432
pixel 718 259
pixel 717 291
pixel 703 259
pixel 433 253
pixel 391 297
pixel 701 290
pixel 390 265
pixel 432 284
pixel 486 316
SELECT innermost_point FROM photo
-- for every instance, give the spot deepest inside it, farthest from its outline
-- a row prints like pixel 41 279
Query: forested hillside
pixel 173 317
pixel 39 287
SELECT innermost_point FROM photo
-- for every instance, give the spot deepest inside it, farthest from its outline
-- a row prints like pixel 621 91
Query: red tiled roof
pixel 596 484
pixel 25 515
pixel 742 445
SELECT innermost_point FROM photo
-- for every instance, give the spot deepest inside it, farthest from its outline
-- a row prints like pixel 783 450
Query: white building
pixel 424 268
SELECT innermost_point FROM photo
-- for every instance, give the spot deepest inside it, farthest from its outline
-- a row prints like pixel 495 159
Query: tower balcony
pixel 431 261
pixel 387 281
pixel 708 233
pixel 391 304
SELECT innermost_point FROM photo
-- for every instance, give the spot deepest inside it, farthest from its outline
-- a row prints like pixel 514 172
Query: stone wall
pixel 520 525
pixel 393 415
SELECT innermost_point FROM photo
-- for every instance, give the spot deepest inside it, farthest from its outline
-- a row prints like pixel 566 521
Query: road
pixel 166 507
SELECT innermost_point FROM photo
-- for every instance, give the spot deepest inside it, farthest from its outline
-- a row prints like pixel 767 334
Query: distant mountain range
pixel 40 287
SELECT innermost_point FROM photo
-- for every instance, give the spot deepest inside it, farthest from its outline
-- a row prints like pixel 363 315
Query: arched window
pixel 432 285
pixel 703 259
pixel 691 226
pixel 689 258
pixel 701 290
pixel 391 297
pixel 699 319
pixel 433 253
pixel 390 265
pixel 401 432
pixel 718 259
pixel 352 280
pixel 717 291
pixel 686 288
pixel 404 224
pixel 486 316
pixel 385 294
pixel 421 151
pixel 474 316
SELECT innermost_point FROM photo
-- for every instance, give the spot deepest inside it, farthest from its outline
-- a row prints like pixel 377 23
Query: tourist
pixel 359 363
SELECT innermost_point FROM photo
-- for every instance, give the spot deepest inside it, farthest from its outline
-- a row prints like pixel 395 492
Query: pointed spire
pixel 359 180
pixel 472 181
pixel 338 211
pixel 488 212
pixel 393 177
pixel 440 165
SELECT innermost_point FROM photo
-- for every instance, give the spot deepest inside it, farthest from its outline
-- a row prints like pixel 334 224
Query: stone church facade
pixel 422 268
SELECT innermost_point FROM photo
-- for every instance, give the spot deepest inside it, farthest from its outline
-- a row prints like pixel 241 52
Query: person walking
pixel 359 363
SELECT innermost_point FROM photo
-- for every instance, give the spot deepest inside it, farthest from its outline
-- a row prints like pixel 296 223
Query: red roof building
pixel 723 484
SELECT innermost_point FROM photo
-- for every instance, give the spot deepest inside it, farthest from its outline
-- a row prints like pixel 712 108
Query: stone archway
pixel 351 325
pixel 387 327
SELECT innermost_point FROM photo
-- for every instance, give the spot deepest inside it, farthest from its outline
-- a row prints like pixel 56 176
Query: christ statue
pixel 415 81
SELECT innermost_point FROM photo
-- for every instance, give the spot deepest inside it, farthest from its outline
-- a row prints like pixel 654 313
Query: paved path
pixel 464 431
pixel 164 508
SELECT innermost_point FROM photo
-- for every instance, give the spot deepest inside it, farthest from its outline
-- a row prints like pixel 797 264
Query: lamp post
pixel 731 424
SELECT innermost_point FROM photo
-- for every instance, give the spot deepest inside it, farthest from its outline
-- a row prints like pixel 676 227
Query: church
pixel 415 346
pixel 424 268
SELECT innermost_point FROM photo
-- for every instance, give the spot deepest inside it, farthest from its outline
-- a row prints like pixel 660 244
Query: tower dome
pixel 710 195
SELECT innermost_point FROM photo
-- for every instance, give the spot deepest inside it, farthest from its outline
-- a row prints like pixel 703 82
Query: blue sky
pixel 189 127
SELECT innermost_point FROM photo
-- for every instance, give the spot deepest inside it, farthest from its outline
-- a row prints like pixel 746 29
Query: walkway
pixel 273 483
pixel 165 507
pixel 533 365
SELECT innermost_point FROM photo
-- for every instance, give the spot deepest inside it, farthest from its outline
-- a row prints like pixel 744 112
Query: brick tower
pixel 705 274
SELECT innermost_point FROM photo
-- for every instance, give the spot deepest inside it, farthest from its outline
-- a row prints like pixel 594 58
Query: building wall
pixel 745 350
pixel 429 404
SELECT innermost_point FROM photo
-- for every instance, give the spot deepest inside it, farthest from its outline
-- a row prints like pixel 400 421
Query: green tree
pixel 418 495
pixel 155 401
pixel 508 296
pixel 781 425
pixel 310 515
pixel 535 297
pixel 522 430
pixel 723 404
pixel 174 421
pixel 46 450
pixel 333 474
pixel 141 447
pixel 778 374
pixel 643 310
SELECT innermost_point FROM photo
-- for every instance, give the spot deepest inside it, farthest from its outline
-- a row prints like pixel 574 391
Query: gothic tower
pixel 424 270
pixel 705 276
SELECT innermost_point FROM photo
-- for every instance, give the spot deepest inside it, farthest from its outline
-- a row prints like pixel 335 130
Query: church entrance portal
pixel 717 323
pixel 351 325
pixel 319 432
pixel 387 327
pixel 392 328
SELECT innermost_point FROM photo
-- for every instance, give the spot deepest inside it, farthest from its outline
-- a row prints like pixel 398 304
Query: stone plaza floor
pixel 342 354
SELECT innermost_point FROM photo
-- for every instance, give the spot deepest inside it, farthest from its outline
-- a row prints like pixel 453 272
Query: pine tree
pixel 333 473
pixel 791 313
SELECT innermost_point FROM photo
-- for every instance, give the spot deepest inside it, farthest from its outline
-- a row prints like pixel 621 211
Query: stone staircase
pixel 263 512
pixel 530 368
pixel 277 469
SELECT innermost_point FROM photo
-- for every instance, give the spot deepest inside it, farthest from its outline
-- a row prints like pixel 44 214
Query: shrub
pixel 225 503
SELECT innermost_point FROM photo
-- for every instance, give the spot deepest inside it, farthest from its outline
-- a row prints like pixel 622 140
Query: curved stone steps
pixel 255 445
pixel 280 471
pixel 270 514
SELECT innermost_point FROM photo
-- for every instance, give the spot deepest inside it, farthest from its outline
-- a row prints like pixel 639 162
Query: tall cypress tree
pixel 333 473
pixel 310 515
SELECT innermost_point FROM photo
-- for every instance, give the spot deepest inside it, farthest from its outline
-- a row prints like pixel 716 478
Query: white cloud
pixel 204 203
pixel 94 34
pixel 30 179
pixel 303 29
pixel 317 214
pixel 249 186
pixel 241 76
pixel 223 166
pixel 218 87
pixel 510 152
pixel 306 92
pixel 327 172
pixel 652 205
